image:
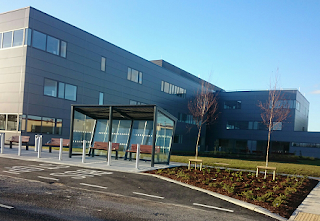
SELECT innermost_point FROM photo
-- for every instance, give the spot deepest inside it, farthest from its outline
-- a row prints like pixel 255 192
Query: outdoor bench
pixel 143 149
pixel 24 139
pixel 104 146
pixel 55 142
pixel 195 163
pixel 267 168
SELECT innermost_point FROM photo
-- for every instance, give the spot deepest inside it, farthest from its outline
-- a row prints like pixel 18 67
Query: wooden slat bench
pixel 24 140
pixel 143 149
pixel 55 142
pixel 195 163
pixel 104 146
pixel 266 168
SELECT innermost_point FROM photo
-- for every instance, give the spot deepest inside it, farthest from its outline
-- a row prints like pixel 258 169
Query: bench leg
pixel 200 166
pixel 189 165
pixel 92 153
pixel 116 154
pixel 257 172
pixel 10 144
pixel 130 156
pixel 50 149
pixel 274 175
pixel 265 174
pixel 27 146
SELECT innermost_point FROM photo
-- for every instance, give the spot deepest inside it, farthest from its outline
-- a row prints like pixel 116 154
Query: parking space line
pixel 48 178
pixel 5 206
pixel 143 194
pixel 86 184
pixel 213 207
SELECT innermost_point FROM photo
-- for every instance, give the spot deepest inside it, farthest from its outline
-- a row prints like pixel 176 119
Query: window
pixel 47 126
pixel 7 39
pixel 63 49
pixel 22 123
pixel 173 89
pixel 50 87
pixel 39 40
pixel 277 125
pixel 3 118
pixel 298 105
pixel 12 122
pixel 53 45
pixel 65 91
pixel 70 92
pixel 103 64
pixel 100 98
pixel 178 139
pixel 0 40
pixel 34 124
pixel 58 129
pixel 17 38
pixel 134 75
pixel 132 102
pixel 27 38
pixel 232 105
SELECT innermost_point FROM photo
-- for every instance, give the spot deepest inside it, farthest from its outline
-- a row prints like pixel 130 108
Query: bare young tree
pixel 203 108
pixel 273 112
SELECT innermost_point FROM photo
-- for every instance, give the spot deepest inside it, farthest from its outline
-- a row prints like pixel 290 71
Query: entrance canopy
pixel 129 125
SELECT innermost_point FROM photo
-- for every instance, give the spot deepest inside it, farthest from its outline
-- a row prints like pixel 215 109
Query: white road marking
pixel 86 184
pixel 5 206
pixel 48 178
pixel 143 194
pixel 213 207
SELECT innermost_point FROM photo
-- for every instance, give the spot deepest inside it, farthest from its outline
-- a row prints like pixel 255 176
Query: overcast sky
pixel 236 45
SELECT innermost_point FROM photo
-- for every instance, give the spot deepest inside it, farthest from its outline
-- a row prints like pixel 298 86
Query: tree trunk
pixel 198 142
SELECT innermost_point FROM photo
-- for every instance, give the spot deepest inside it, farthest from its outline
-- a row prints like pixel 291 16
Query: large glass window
pixel 100 98
pixel 39 40
pixel 48 125
pixel 173 89
pixel 27 38
pixel 53 45
pixel 22 123
pixel 134 75
pixel 34 124
pixel 17 37
pixel 58 126
pixel 63 49
pixel 61 90
pixel 232 105
pixel 50 87
pixel 3 121
pixel 12 122
pixel 103 64
pixel 70 92
pixel 7 39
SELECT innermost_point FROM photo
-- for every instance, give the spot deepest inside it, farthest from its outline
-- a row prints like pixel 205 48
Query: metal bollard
pixel 39 145
pixel 2 141
pixel 61 147
pixel 109 154
pixel 83 151
pixel 36 142
pixel 19 147
pixel 137 156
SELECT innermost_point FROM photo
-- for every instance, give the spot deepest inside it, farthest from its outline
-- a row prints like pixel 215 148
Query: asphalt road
pixel 37 191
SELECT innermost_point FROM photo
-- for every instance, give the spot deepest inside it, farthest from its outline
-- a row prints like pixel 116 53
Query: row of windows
pixel 232 105
pixel 316 145
pixel 44 125
pixel 46 42
pixel 178 139
pixel 59 89
pixel 132 102
pixel 251 125
pixel 134 75
pixel 8 122
pixel 11 38
pixel 173 89
pixel 186 118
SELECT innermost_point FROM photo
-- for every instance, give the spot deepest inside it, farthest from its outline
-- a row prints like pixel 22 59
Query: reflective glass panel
pixel 129 74
pixel 3 121
pixel 63 49
pixel 100 98
pixel 58 126
pixel 53 45
pixel 34 124
pixel 48 125
pixel 103 64
pixel 7 39
pixel 17 37
pixel 83 127
pixel 50 87
pixel 0 40
pixel 140 77
pixel 39 40
pixel 61 90
pixel 22 123
pixel 12 122
pixel 134 75
pixel 27 36
pixel 70 92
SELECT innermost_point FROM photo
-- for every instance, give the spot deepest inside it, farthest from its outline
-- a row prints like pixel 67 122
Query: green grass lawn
pixel 303 167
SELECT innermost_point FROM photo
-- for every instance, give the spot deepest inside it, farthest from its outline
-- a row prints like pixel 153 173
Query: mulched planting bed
pixel 281 196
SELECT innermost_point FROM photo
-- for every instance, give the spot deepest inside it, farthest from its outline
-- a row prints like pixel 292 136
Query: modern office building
pixel 46 65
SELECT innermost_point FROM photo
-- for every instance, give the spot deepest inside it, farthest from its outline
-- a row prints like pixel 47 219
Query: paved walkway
pixel 309 210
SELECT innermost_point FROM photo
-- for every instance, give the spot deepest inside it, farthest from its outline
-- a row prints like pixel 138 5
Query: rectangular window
pixel 12 122
pixel 22 123
pixel 27 36
pixel 162 85
pixel 129 74
pixel 39 40
pixel 277 125
pixel 48 125
pixel 232 105
pixel 140 77
pixel 166 87
pixel 100 98
pixel 50 87
pixel 17 37
pixel 7 39
pixel 103 64
pixel 132 102
pixel 53 45
pixel 0 40
pixel 134 75
pixel 63 50
pixel 58 127
pixel 3 118
pixel 61 90
pixel 178 139
pixel 70 92
pixel 34 124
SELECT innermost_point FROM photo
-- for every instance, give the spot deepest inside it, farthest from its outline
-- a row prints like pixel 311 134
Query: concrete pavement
pixel 308 210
